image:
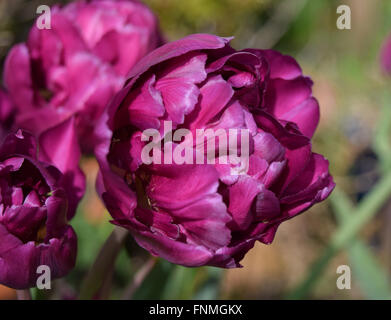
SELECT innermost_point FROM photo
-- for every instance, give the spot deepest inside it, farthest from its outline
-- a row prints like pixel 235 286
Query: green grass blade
pixel 346 233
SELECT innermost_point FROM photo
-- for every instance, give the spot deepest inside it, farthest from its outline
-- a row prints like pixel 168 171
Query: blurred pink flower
pixel 120 32
pixel 76 67
pixel 7 113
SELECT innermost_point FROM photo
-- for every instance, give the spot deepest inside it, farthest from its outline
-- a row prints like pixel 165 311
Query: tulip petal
pixel 267 206
pixel 145 106
pixel 177 48
pixel 178 85
pixel 17 77
pixel 241 196
pixel 305 115
pixel 281 66
pixel 215 95
pixel 65 156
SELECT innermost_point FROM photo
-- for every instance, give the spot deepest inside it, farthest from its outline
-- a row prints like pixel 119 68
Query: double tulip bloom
pixel 34 205
pixel 201 214
pixel 75 67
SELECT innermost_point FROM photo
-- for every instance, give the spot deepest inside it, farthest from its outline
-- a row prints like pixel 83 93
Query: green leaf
pixel 372 279
pixel 209 290
pixel 347 231
pixel 181 283
pixel 381 142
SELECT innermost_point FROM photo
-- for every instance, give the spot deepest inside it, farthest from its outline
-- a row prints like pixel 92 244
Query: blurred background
pixel 353 94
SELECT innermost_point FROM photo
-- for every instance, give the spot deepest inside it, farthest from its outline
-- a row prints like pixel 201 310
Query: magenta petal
pixel 186 254
pixel 241 196
pixel 145 106
pixel 23 221
pixel 39 120
pixel 317 167
pixel 60 254
pixel 242 79
pixel 178 85
pixel 177 48
pixel 122 202
pixel 215 95
pixel 205 222
pixel 13 163
pixel 257 167
pixel 125 56
pixel 17 196
pixel 313 186
pixel 20 143
pixel 17 266
pixel 305 115
pixel 63 36
pixel 32 199
pixel 224 171
pixel 194 202
pixel 95 85
pixel 8 241
pixel 247 60
pixel 284 95
pixel 189 255
pixel 281 66
pixel 65 156
pixel 267 147
pixel 229 257
pixel 171 187
pixel 158 222
pixel 273 173
pixel 287 135
pixel 267 206
pixel 119 32
pixel 17 77
pixel 233 117
pixel 297 161
pixel 7 111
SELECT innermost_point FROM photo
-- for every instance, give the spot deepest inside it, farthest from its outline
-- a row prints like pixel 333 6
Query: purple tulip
pixel 385 56
pixel 33 215
pixel 76 67
pixel 202 214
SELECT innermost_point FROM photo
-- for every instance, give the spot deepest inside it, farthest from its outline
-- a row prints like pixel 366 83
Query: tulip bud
pixel 33 215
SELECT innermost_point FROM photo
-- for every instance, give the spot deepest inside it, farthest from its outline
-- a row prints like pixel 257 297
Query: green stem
pixel 349 228
pixel 370 205
pixel 381 142
pixel 103 264
pixel 139 278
